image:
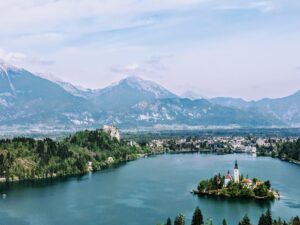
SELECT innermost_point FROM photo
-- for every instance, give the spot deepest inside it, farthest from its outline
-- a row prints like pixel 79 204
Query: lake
pixel 147 191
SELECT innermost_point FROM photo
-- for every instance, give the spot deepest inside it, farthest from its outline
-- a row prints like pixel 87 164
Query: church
pixel 236 175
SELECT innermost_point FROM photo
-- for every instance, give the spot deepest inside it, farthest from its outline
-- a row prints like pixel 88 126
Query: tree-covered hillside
pixel 288 150
pixel 27 158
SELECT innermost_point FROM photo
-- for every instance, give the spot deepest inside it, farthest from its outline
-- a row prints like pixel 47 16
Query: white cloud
pixel 95 42
pixel 51 14
pixel 151 67
pixel 19 59
pixel 261 5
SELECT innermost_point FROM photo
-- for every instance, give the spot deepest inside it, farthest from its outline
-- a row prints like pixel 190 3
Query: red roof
pixel 228 176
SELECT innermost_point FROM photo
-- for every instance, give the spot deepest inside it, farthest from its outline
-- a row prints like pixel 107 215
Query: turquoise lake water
pixel 147 191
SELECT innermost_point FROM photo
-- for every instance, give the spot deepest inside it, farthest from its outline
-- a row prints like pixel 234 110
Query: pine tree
pixel 179 220
pixel 262 220
pixel 197 217
pixel 296 221
pixel 169 221
pixel 224 222
pixel 268 218
pixel 245 220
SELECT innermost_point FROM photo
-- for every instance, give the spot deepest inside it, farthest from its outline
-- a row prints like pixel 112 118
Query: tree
pixel 169 221
pixel 262 220
pixel 245 220
pixel 197 217
pixel 268 184
pixel 296 221
pixel 179 220
pixel 224 222
pixel 268 218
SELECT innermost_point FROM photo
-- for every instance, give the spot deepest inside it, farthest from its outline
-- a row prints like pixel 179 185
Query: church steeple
pixel 236 174
pixel 236 165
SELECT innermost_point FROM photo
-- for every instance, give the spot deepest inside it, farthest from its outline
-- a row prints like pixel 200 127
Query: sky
pixel 237 48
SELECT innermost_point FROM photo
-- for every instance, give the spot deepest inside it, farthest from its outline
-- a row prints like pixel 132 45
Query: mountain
pixel 68 87
pixel 124 94
pixel 200 112
pixel 192 95
pixel 27 98
pixel 286 109
pixel 231 102
pixel 31 100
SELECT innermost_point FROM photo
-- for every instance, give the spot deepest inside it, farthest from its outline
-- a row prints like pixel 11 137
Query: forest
pixel 28 158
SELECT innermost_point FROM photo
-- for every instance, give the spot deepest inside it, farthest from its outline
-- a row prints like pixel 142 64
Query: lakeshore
pixel 135 191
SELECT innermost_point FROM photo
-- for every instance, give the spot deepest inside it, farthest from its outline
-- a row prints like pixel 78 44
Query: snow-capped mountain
pixel 28 98
pixel 152 88
pixel 126 93
pixel 31 99
pixel 72 89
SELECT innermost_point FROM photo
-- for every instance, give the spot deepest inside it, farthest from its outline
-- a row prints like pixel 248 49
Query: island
pixel 236 186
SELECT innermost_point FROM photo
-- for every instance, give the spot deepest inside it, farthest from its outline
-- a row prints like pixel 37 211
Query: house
pixel 247 182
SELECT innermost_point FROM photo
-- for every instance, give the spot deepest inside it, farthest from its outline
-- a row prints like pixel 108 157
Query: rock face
pixel 110 160
pixel 112 131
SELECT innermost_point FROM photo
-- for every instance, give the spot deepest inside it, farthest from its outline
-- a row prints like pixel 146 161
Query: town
pixel 223 144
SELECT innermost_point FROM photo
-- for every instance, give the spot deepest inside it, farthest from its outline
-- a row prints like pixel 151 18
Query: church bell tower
pixel 236 173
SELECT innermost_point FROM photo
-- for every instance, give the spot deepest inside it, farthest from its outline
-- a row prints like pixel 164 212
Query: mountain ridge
pixel 28 99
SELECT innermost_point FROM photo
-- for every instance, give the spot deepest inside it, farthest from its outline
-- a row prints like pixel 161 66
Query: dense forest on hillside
pixel 287 150
pixel 27 158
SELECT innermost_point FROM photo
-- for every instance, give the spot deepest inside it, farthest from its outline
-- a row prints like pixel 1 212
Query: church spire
pixel 236 173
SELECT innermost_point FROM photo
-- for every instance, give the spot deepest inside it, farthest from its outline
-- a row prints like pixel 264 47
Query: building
pixel 247 182
pixel 112 131
pixel 90 166
pixel 236 173
pixel 228 178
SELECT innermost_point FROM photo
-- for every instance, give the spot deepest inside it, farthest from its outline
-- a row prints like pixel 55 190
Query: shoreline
pixel 185 151
pixel 213 194
pixel 3 180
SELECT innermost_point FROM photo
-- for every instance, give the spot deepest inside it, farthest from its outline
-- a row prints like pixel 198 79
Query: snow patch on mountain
pixel 4 73
pixel 138 83
pixel 70 88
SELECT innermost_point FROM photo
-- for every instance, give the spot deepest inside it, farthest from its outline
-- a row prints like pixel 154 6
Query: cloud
pixel 133 68
pixel 55 14
pixel 17 58
pixel 153 66
pixel 263 6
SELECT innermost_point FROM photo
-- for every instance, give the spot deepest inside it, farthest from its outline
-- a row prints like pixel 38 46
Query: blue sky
pixel 238 48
